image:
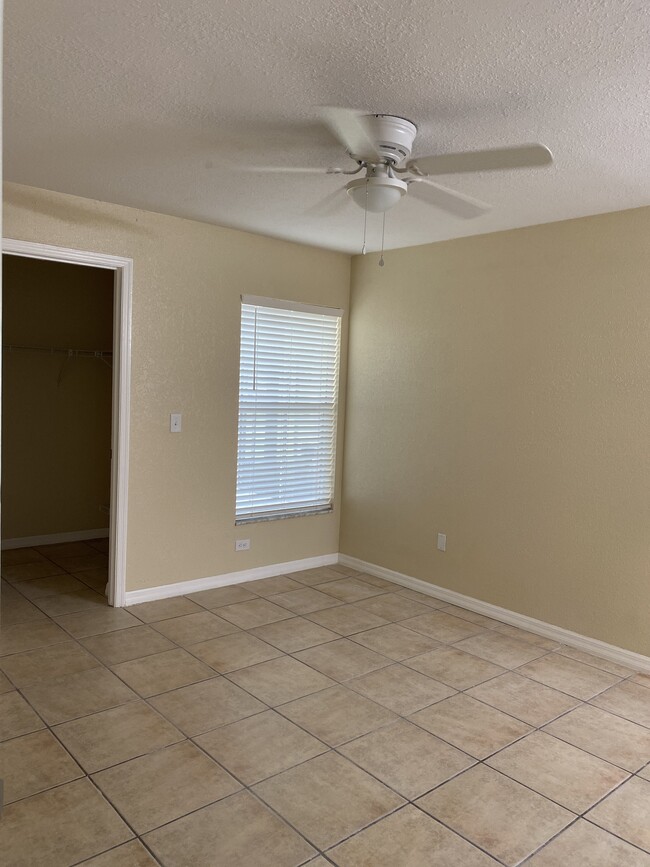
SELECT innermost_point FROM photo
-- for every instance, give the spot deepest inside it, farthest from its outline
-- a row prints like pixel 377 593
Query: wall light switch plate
pixel 242 544
pixel 175 420
pixel 442 542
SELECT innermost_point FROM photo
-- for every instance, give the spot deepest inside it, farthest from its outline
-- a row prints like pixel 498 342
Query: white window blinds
pixel 288 393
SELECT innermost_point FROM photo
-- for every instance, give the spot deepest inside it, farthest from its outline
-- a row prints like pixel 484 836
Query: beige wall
pixel 56 411
pixel 499 391
pixel 188 277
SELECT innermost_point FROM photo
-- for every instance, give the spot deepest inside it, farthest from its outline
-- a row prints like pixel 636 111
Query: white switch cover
pixel 442 542
pixel 175 422
pixel 242 544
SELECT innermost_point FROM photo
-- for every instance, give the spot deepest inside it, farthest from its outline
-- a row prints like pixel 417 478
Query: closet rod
pixel 71 353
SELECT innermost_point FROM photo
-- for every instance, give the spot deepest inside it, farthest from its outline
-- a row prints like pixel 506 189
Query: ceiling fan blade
pixel 519 157
pixel 330 205
pixel 448 200
pixel 289 170
pixel 350 128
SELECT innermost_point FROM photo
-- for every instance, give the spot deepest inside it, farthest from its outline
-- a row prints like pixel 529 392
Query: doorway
pixel 66 362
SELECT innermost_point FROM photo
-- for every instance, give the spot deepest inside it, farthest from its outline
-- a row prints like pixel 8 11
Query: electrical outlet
pixel 442 541
pixel 242 544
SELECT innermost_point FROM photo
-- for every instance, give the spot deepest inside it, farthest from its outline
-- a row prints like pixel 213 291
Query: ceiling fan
pixel 381 144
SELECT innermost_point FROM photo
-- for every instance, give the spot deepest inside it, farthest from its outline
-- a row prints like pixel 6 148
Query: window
pixel 288 396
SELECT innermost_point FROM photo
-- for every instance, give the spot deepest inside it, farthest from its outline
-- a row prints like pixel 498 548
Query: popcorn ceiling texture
pixel 146 103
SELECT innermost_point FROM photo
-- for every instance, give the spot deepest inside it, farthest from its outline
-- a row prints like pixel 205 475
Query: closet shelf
pixel 54 350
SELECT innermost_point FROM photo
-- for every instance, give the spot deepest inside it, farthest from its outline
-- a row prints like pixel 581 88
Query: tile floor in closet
pixel 327 717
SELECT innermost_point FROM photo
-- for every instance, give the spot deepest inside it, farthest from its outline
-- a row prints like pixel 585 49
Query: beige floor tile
pixel 496 813
pixel 28 571
pixel 525 699
pixel 470 725
pixel 642 679
pixel 271 586
pixel 47 662
pixel 191 628
pixel 70 603
pixel 220 596
pixel 585 845
pixel 610 737
pixel 472 616
pixel 177 780
pixel 337 715
pixel 328 798
pixel 305 600
pixel 63 826
pixel 95 578
pixel 529 637
pixel 33 763
pixel 16 610
pixel 15 556
pixel 501 649
pixel 161 672
pixel 102 544
pixel 626 813
pixel 596 661
pixel 232 652
pixel 342 659
pixel 74 695
pixel 124 644
pixel 571 777
pixel 66 549
pixel 375 581
pixel 131 854
pixel 320 575
pixel 116 735
pixel 164 609
pixel 346 619
pixel 40 587
pixel 442 627
pixel 395 641
pixel 645 772
pixel 568 675
pixel 629 700
pixel 423 598
pixel 392 607
pixel 257 612
pixel 400 689
pixel 408 838
pixel 406 758
pixel 97 621
pixel 260 746
pixel 297 633
pixel 349 589
pixel 22 637
pixel 17 717
pixel 204 706
pixel 5 684
pixel 280 680
pixel 240 828
pixel 93 560
pixel 455 668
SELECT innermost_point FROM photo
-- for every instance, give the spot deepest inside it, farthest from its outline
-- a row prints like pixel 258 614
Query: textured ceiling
pixel 153 103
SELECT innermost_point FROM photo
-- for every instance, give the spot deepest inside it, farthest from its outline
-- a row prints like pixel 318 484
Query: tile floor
pixel 327 717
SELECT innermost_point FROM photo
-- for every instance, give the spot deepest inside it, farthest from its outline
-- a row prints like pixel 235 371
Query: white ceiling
pixel 139 103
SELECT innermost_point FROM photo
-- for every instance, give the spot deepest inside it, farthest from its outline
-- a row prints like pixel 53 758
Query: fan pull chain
pixel 383 232
pixel 365 221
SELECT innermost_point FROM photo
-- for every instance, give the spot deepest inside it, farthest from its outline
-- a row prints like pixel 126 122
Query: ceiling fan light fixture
pixel 377 194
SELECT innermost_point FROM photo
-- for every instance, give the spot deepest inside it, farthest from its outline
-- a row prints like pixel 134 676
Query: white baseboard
pixel 632 660
pixel 182 588
pixel 54 538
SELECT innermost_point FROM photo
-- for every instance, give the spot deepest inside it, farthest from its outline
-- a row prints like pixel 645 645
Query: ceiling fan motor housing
pixel 393 137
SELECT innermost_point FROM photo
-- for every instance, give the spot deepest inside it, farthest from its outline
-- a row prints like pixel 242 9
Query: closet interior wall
pixel 57 340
